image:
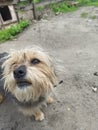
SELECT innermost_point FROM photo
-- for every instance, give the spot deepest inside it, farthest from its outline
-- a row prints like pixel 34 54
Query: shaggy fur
pixel 40 78
pixel 2 92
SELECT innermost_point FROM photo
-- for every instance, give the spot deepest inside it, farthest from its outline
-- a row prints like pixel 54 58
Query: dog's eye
pixel 35 61
pixel 13 63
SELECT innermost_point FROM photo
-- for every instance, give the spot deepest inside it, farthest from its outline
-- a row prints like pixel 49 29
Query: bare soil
pixel 74 40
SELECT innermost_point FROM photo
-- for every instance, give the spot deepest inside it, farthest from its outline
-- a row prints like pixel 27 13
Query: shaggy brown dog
pixel 29 76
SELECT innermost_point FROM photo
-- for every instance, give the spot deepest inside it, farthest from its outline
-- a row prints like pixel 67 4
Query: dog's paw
pixel 50 100
pixel 1 98
pixel 39 116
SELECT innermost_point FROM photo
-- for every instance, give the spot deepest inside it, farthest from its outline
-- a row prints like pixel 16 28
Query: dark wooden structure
pixel 8 13
pixel 28 7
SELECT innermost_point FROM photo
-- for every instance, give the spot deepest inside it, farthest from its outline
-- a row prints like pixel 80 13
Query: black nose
pixel 20 72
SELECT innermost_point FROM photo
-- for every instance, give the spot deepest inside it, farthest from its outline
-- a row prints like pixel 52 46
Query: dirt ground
pixel 74 40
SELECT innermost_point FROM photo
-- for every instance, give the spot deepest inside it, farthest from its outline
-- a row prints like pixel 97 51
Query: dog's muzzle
pixel 20 72
pixel 19 75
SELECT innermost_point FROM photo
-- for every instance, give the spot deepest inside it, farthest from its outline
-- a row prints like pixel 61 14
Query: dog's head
pixel 29 74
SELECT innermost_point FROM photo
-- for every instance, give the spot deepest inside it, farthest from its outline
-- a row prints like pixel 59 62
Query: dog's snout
pixel 20 72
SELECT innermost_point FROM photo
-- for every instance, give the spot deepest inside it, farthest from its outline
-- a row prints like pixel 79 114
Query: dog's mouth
pixel 23 83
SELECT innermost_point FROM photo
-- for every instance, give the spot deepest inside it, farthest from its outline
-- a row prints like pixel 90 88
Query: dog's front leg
pixel 38 114
pixel 49 100
pixel 1 98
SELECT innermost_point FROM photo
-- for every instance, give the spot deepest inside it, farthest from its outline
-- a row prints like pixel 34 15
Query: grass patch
pixel 87 15
pixel 93 17
pixel 62 7
pixel 88 2
pixel 93 4
pixel 22 3
pixel 84 15
pixel 58 7
pixel 12 31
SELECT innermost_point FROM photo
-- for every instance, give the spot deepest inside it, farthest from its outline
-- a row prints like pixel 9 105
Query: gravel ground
pixel 74 40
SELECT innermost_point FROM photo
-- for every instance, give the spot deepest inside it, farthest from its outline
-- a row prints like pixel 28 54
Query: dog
pixel 29 76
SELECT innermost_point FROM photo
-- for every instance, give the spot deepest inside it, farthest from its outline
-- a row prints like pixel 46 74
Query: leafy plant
pixel 13 30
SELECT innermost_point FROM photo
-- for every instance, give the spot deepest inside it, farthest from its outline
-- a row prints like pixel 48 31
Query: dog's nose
pixel 20 72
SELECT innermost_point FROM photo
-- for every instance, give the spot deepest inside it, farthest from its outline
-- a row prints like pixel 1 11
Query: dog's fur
pixel 33 89
pixel 2 92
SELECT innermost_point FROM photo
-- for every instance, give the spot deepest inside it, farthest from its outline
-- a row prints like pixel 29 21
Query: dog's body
pixel 29 76
pixel 2 92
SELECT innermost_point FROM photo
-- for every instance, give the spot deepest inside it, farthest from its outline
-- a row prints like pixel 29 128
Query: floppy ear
pixel 2 59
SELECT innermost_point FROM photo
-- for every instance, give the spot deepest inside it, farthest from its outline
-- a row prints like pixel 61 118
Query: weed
pixel 93 4
pixel 87 15
pixel 62 7
pixel 93 17
pixel 22 3
pixel 12 31
pixel 88 2
pixel 84 2
pixel 84 15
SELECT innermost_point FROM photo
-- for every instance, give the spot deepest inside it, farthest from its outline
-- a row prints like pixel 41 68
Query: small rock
pixel 96 73
pixel 44 20
pixel 34 21
pixel 57 13
pixel 94 66
pixel 45 15
pixel 34 28
pixel 68 109
pixel 89 20
pixel 94 89
pixel 14 39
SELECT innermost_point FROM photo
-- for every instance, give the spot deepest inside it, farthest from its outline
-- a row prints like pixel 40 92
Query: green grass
pixel 93 17
pixel 93 4
pixel 87 15
pixel 88 2
pixel 12 31
pixel 82 2
pixel 62 7
pixel 22 3
pixel 58 7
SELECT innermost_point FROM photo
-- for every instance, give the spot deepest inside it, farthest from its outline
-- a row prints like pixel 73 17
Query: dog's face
pixel 29 74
